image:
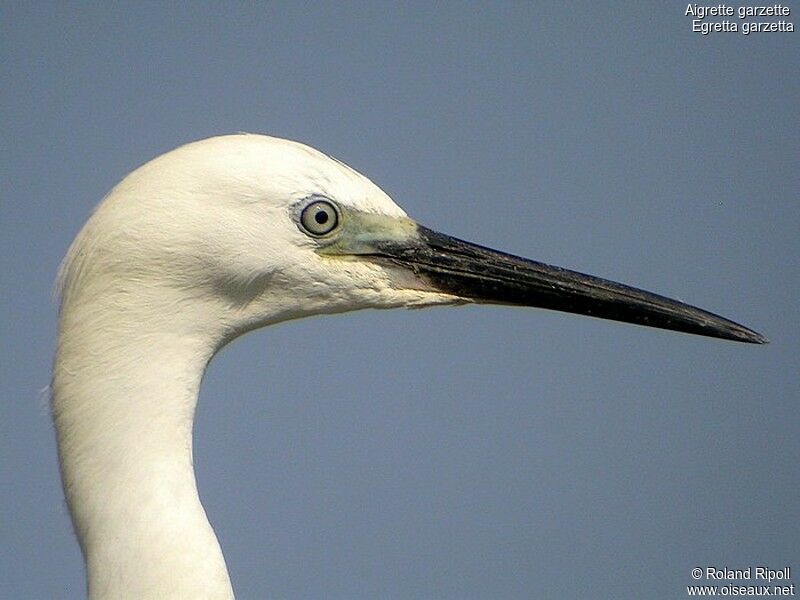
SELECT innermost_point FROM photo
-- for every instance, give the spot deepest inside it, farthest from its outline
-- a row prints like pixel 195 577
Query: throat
pixel 123 415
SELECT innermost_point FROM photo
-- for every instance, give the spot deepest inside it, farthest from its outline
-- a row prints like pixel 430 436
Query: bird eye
pixel 319 217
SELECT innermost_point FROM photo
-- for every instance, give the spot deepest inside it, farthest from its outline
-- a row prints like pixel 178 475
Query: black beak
pixel 489 276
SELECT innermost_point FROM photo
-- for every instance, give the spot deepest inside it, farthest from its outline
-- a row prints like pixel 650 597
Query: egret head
pixel 246 230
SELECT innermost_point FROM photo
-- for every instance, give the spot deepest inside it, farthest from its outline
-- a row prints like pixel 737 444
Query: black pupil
pixel 321 216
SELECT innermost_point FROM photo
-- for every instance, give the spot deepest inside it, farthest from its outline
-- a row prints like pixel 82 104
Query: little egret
pixel 195 248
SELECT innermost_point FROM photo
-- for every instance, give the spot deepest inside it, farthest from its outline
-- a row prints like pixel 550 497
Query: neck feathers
pixel 124 393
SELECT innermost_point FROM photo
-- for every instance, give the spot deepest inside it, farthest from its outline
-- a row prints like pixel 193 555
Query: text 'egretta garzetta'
pixel 209 241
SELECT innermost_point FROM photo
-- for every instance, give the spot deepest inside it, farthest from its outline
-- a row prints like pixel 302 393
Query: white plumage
pixel 189 251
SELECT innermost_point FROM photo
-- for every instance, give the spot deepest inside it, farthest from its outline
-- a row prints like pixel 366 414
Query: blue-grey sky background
pixel 478 452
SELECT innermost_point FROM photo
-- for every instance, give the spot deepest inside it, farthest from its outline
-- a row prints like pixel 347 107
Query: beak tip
pixel 748 336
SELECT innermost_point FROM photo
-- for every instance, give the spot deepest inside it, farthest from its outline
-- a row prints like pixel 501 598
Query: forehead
pixel 289 171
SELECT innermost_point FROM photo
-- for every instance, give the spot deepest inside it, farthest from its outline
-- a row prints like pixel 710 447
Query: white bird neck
pixel 125 388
